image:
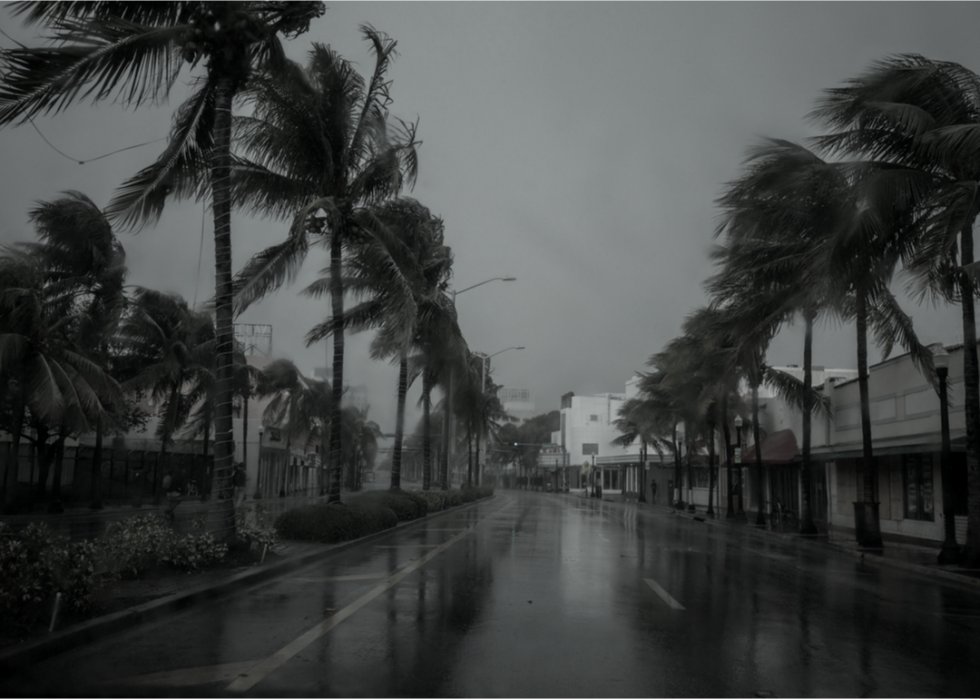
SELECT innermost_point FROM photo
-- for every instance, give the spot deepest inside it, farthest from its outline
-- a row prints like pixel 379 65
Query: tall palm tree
pixel 136 51
pixel 398 276
pixel 80 251
pixel 300 406
pixel 318 149
pixel 44 375
pixel 917 119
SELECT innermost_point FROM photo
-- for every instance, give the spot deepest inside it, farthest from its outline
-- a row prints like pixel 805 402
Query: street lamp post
pixel 730 509
pixel 738 460
pixel 483 388
pixel 449 394
pixel 949 554
pixel 258 470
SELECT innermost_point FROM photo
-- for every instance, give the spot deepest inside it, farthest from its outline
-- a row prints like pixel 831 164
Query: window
pixel 917 474
pixel 593 418
pixel 588 449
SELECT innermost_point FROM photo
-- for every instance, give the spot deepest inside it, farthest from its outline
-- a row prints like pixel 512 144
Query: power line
pixel 98 157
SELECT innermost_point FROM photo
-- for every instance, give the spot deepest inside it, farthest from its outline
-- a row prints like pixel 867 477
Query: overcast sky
pixel 577 146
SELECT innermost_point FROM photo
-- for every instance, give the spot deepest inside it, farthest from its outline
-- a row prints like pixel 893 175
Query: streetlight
pixel 483 364
pixel 738 460
pixel 449 392
pixel 483 388
pixel 949 553
pixel 258 470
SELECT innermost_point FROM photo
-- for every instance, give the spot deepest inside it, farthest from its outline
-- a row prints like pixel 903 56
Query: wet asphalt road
pixel 534 595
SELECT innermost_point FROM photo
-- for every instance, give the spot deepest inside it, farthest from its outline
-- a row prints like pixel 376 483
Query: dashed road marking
pixel 342 578
pixel 671 602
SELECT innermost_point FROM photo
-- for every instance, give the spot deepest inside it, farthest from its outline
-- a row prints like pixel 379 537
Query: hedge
pixel 332 523
pixel 368 512
pixel 407 506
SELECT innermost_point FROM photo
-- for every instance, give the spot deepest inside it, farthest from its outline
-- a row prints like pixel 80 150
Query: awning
pixel 777 448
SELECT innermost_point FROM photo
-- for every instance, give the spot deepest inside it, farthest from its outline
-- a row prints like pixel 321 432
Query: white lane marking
pixel 341 578
pixel 671 602
pixel 409 546
pixel 187 677
pixel 264 667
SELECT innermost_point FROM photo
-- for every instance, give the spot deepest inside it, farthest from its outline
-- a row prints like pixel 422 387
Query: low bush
pixel 453 497
pixel 407 506
pixel 37 564
pixel 133 546
pixel 435 500
pixel 252 525
pixel 333 523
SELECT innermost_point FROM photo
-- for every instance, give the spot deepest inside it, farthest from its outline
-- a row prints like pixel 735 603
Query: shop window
pixel 917 474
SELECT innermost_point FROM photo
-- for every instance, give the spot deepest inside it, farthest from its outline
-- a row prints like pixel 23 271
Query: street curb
pixel 34 651
pixel 865 556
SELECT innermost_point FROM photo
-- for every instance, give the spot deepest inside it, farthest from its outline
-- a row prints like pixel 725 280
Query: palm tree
pixel 80 251
pixel 318 149
pixel 174 349
pixel 917 119
pixel 44 375
pixel 300 406
pixel 399 276
pixel 137 51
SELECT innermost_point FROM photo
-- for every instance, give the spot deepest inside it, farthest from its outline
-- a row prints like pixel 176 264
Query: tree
pixel 173 348
pixel 917 119
pixel 136 51
pixel 79 250
pixel 319 149
pixel 44 376
pixel 300 406
pixel 398 275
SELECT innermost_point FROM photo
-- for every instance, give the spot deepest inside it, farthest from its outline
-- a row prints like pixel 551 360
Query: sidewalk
pixel 921 559
pixel 139 601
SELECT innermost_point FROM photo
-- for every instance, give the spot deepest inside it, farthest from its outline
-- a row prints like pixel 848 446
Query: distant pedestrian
pixel 238 482
pixel 174 489
pixel 653 491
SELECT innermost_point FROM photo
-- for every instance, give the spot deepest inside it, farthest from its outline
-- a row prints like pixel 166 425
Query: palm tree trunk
pixel 729 487
pixel 678 471
pixel 690 469
pixel 54 505
pixel 96 489
pixel 971 384
pixel 12 469
pixel 711 463
pixel 469 456
pixel 476 468
pixel 224 439
pixel 806 476
pixel 396 456
pixel 426 442
pixel 445 433
pixel 760 517
pixel 641 478
pixel 866 524
pixel 245 398
pixel 337 388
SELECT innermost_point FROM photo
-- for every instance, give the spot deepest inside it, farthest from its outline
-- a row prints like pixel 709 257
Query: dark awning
pixel 777 448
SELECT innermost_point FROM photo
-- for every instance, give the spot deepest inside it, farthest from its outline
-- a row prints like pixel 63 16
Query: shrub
pixel 37 564
pixel 332 523
pixel 133 546
pixel 453 497
pixel 407 506
pixel 435 499
pixel 252 524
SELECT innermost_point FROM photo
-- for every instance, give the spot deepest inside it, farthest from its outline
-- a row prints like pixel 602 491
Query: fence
pixel 126 474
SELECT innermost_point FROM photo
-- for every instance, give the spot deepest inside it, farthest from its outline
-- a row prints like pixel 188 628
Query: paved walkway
pixel 921 558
